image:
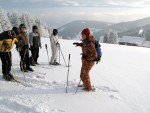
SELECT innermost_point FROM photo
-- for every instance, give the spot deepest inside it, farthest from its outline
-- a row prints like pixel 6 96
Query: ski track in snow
pixel 26 103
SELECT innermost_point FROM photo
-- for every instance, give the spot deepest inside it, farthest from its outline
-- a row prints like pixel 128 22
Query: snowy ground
pixel 122 80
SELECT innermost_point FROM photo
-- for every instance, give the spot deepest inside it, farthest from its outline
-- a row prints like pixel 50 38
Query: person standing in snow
pixel 55 46
pixel 7 40
pixel 88 55
pixel 23 48
pixel 35 44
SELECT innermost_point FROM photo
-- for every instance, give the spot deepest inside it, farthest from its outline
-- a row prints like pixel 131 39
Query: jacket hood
pixel 90 38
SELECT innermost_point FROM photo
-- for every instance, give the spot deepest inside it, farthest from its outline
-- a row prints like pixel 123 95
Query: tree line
pixel 14 18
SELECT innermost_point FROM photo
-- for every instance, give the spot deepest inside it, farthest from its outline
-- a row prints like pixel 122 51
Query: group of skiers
pixel 24 43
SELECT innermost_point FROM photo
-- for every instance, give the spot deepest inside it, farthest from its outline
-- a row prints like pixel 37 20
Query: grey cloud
pixel 58 12
pixel 84 3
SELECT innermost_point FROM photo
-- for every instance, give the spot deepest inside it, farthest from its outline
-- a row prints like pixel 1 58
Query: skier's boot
pixel 56 63
pixel 29 69
pixel 6 77
pixel 11 76
pixel 37 63
pixel 24 69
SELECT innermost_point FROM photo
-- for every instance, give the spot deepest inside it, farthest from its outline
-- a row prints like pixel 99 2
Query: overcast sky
pixel 59 12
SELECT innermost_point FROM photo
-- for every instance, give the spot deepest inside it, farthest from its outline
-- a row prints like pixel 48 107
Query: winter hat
pixel 86 31
pixel 22 26
pixel 34 28
pixel 16 30
pixel 55 31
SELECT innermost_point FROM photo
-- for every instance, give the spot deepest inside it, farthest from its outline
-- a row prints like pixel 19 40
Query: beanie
pixel 16 30
pixel 34 28
pixel 22 26
pixel 86 31
pixel 55 31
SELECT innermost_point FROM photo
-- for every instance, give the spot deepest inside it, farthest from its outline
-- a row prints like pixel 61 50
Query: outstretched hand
pixel 57 44
pixel 76 43
pixel 31 48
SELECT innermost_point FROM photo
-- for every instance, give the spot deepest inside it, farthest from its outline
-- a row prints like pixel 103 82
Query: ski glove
pixel 84 56
pixel 76 43
pixel 57 44
pixel 7 46
pixel 17 48
pixel 31 48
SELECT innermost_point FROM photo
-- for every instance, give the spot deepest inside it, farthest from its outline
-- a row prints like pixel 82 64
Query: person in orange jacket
pixel 88 55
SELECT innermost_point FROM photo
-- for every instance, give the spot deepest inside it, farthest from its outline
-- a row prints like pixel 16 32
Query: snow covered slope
pixel 122 81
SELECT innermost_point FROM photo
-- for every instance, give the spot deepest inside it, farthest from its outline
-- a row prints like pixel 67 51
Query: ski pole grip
pixel 46 46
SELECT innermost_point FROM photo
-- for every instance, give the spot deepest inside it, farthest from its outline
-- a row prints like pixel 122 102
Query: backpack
pixel 98 50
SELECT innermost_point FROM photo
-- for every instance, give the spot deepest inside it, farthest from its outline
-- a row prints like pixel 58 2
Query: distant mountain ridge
pixel 131 28
pixel 73 29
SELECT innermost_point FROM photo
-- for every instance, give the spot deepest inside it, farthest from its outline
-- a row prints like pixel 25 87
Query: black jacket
pixel 6 35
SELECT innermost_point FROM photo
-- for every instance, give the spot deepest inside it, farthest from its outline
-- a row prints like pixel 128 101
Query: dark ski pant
pixel 25 60
pixel 84 75
pixel 6 62
pixel 35 55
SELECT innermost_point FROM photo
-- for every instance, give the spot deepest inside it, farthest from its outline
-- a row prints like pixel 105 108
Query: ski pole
pixel 47 51
pixel 62 56
pixel 37 67
pixel 22 65
pixel 34 63
pixel 78 86
pixel 68 74
pixel 59 54
pixel 13 68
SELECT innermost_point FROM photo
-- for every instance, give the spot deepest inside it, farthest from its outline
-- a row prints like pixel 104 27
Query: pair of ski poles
pixel 60 51
pixel 15 77
pixel 68 77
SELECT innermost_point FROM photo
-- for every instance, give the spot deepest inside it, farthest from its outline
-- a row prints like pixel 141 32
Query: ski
pixel 22 83
pixel 40 77
pixel 60 65
pixel 18 81
pixel 37 75
pixel 46 67
pixel 36 72
pixel 81 85
pixel 82 89
pixel 105 89
pixel 98 89
pixel 93 90
pixel 52 66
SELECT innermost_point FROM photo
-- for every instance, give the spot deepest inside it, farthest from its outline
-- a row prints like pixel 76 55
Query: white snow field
pixel 122 81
